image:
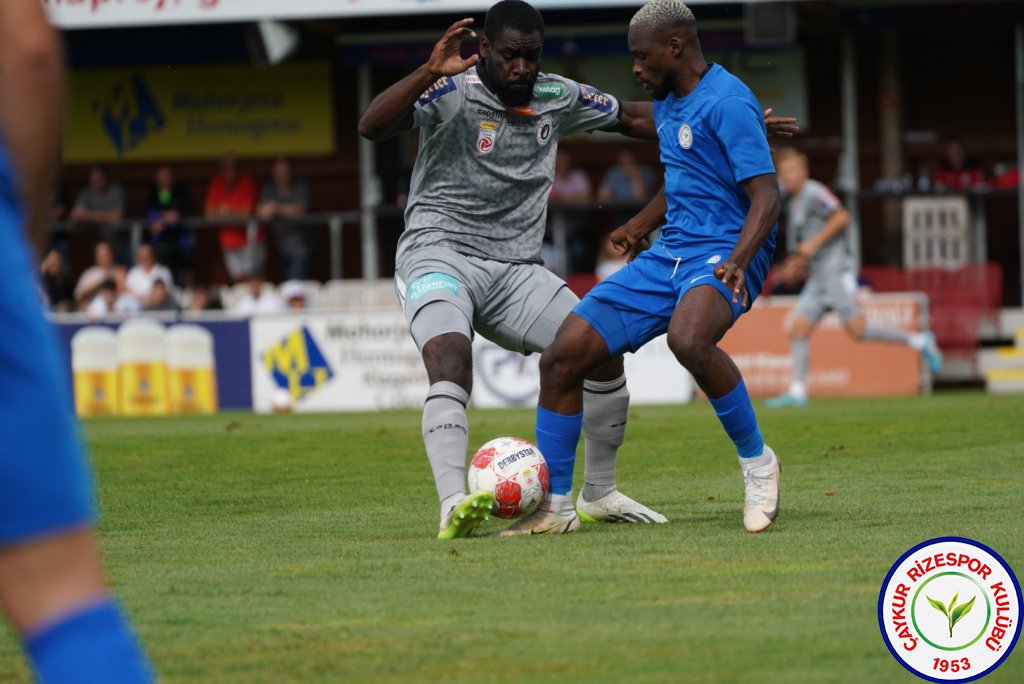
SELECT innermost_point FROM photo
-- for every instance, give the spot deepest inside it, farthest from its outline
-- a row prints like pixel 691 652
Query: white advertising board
pixel 83 14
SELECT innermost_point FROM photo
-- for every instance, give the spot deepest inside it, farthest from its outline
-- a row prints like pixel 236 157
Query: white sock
pixel 449 503
pixel 756 462
pixel 559 504
pixel 917 341
pixel 798 390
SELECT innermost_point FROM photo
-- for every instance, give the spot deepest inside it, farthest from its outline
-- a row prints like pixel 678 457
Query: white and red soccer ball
pixel 515 471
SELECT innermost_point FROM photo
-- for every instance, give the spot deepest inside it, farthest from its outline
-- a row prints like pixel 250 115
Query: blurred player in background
pixel 704 271
pixel 51 580
pixel 469 258
pixel 816 222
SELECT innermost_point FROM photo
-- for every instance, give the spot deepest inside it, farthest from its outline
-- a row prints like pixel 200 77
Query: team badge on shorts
pixel 544 130
pixel 485 141
pixel 949 610
pixel 685 136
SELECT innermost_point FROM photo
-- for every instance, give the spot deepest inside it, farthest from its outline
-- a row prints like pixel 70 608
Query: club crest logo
pixel 685 136
pixel 544 130
pixel 488 133
pixel 949 610
pixel 714 260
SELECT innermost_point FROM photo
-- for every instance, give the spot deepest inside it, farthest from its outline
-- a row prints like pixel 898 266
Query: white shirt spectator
pixel 266 303
pixel 139 280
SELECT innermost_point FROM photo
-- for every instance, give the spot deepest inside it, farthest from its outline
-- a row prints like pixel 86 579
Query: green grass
pixel 301 548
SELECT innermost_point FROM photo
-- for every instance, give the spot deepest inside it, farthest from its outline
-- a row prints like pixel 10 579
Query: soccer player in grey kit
pixel 469 259
pixel 816 221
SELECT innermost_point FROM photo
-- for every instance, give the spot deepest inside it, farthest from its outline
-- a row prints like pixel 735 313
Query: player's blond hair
pixel 786 153
pixel 659 15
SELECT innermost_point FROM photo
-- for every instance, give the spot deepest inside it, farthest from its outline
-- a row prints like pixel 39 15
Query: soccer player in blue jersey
pixel 51 579
pixel 722 203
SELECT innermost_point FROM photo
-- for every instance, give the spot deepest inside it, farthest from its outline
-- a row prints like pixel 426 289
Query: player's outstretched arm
pixel 30 105
pixel 390 113
pixel 765 207
pixel 636 119
pixel 631 238
pixel 836 224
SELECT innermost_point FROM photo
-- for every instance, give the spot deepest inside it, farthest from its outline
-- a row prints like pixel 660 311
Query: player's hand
pixel 780 127
pixel 629 241
pixel 446 59
pixel 806 250
pixel 733 277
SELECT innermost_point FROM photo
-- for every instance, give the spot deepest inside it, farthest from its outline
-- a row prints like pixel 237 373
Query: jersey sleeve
pixel 739 126
pixel 439 103
pixel 823 203
pixel 588 110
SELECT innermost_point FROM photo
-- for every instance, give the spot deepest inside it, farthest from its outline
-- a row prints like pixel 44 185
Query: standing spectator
pixel 257 300
pixel 232 195
pixel 958 171
pixel 166 207
pixel 284 198
pixel 571 186
pixel 101 203
pixel 145 273
pixel 56 283
pixel 103 268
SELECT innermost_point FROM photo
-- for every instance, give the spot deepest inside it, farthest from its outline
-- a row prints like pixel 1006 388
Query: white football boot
pixel 761 500
pixel 549 518
pixel 616 507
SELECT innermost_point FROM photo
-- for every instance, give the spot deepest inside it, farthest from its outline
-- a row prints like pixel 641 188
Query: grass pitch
pixel 301 548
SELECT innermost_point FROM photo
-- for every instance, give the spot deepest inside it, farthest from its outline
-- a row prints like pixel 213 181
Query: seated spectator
pixel 231 195
pixel 571 186
pixel 958 171
pixel 160 298
pixel 55 282
pixel 627 181
pixel 146 271
pixel 103 268
pixel 286 197
pixel 258 301
pixel 102 203
pixel 293 292
pixel 1005 176
pixel 166 207
pixel 108 301
pixel 202 300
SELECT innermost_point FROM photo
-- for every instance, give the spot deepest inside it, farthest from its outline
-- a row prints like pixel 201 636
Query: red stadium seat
pixel 885 278
pixel 980 285
pixel 581 283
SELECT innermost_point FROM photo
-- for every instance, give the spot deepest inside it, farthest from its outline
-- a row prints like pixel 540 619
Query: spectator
pixel 258 300
pixel 958 171
pixel 160 298
pixel 107 301
pixel 571 186
pixel 144 274
pixel 101 203
pixel 103 268
pixel 293 292
pixel 285 198
pixel 202 300
pixel 626 181
pixel 232 195
pixel 166 207
pixel 55 282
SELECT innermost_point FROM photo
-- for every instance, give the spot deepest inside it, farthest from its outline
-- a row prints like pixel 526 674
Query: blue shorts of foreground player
pixel 634 305
pixel 45 485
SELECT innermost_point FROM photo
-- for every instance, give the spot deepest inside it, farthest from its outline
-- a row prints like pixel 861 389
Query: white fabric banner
pixel 83 14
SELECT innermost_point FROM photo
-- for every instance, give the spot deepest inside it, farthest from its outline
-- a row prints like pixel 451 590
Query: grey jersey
pixel 807 213
pixel 484 172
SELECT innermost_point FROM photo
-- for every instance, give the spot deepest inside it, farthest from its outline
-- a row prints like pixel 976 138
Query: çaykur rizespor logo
pixel 949 610
pixel 129 112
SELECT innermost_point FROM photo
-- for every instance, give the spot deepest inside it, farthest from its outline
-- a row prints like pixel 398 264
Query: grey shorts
pixel 500 300
pixel 829 291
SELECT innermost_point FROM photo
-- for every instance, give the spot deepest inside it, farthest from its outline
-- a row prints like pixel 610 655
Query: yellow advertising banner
pixel 198 111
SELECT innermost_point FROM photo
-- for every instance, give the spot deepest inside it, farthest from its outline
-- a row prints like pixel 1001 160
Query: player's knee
pixel 449 358
pixel 692 352
pixel 559 368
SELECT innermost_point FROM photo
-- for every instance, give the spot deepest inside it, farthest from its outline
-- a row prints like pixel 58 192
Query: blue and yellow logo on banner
pixel 188 111
pixel 297 364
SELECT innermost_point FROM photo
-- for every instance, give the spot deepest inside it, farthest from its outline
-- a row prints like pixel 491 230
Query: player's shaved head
pixel 512 14
pixel 662 15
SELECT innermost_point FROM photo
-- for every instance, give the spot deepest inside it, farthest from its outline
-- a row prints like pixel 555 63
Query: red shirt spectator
pixel 233 195
pixel 958 171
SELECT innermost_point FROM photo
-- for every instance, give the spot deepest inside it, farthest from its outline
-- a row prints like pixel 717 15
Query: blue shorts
pixel 634 305
pixel 45 485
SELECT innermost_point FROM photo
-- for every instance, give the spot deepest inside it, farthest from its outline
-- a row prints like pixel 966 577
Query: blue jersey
pixel 711 140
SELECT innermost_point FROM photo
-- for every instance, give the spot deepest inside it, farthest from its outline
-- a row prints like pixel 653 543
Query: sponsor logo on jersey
pixel 473 79
pixel 522 111
pixel 595 99
pixel 485 141
pixel 296 364
pixel 685 136
pixel 548 90
pixel 440 87
pixel 544 131
pixel 432 282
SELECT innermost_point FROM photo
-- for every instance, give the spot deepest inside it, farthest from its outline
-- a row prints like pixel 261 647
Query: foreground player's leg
pixel 699 322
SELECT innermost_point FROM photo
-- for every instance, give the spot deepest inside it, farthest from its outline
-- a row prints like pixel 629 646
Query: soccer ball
pixel 515 471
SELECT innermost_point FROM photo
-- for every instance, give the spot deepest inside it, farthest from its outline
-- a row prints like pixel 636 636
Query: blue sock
pixel 737 416
pixel 93 644
pixel 557 437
